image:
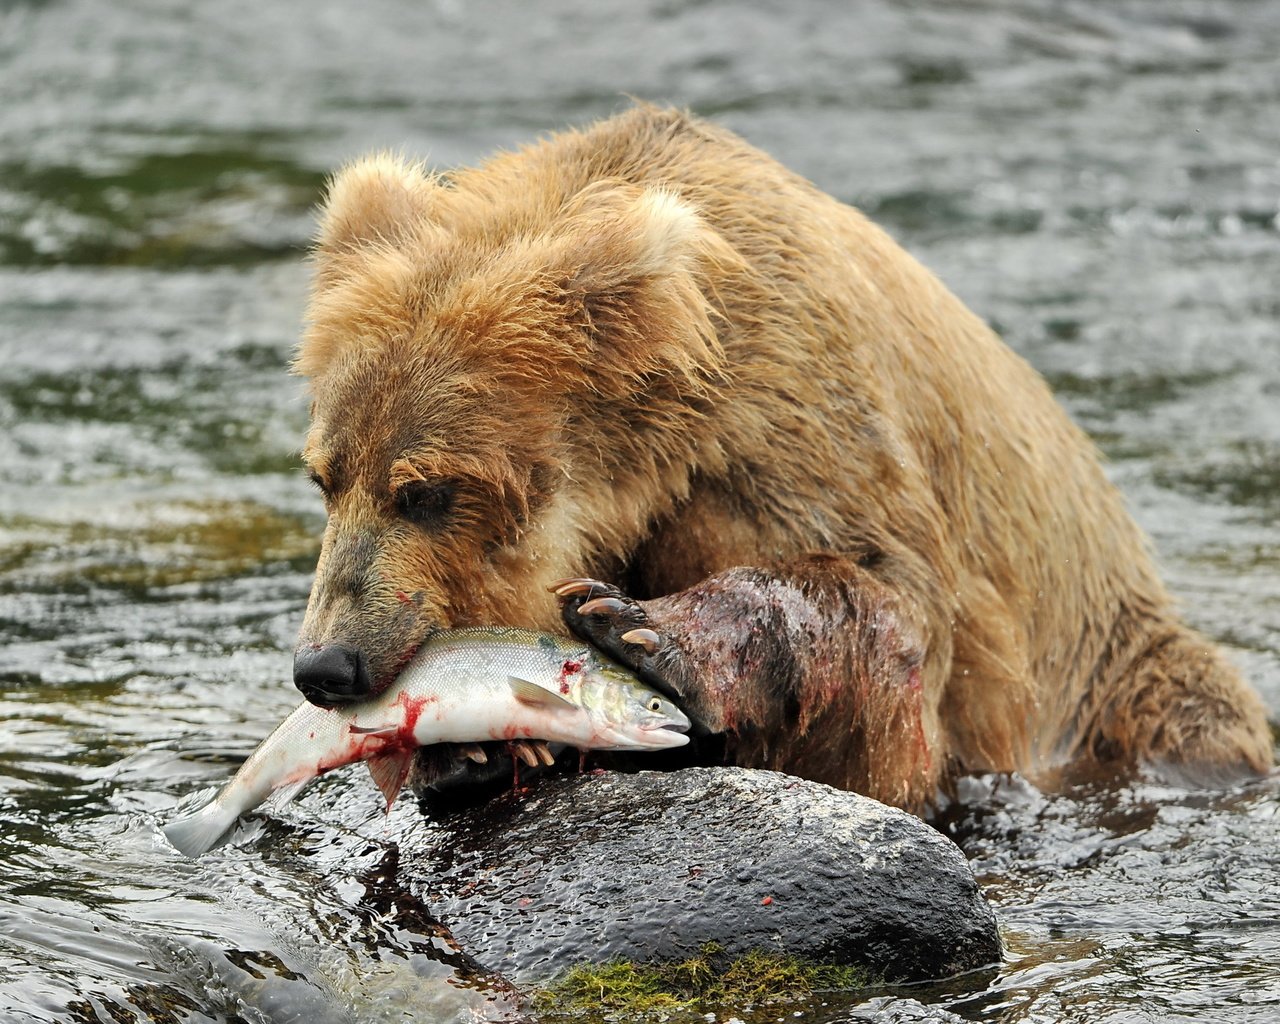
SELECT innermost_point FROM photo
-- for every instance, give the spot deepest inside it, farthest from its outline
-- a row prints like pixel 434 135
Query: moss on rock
pixel 709 981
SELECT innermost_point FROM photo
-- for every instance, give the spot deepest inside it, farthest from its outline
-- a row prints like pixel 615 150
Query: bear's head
pixel 506 374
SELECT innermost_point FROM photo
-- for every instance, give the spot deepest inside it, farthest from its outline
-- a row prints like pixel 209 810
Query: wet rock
pixel 584 869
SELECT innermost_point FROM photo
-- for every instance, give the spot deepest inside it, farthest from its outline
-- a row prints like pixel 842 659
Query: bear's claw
pixel 619 626
pixel 602 606
pixel 644 637
pixel 534 752
pixel 574 585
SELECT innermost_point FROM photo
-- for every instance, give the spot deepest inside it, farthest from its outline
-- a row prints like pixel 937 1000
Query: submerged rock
pixel 651 866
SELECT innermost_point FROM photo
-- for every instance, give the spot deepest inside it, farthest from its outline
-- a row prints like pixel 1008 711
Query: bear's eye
pixel 425 502
pixel 317 481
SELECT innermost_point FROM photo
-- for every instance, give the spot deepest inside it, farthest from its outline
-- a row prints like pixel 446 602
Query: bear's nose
pixel 330 674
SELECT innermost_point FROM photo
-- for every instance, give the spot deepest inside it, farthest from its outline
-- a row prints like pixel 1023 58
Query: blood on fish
pixel 413 708
pixel 569 668
pixel 362 746
pixel 516 731
pixel 353 748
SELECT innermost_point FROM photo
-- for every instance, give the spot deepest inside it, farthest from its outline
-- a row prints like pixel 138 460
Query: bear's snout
pixel 331 674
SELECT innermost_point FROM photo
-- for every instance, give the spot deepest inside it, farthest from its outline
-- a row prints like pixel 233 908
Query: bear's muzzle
pixel 331 674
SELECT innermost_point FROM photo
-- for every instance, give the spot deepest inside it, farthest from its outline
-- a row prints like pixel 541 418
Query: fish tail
pixel 194 834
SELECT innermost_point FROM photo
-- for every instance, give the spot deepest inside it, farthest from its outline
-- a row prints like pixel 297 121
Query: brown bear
pixel 846 526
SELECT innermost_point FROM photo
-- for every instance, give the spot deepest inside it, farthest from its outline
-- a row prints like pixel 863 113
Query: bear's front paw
pixel 616 624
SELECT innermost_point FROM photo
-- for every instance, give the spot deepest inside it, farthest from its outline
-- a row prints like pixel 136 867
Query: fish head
pixel 628 715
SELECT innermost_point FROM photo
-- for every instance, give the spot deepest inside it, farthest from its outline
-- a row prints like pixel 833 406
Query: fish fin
pixel 194 834
pixel 535 696
pixel 372 730
pixel 389 771
pixel 286 793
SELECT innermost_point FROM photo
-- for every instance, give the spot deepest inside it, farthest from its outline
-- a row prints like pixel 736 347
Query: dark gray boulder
pixel 649 867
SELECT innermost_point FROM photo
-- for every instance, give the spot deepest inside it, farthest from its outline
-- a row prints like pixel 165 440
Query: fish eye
pixel 655 703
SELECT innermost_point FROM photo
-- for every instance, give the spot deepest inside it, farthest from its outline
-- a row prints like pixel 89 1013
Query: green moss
pixel 710 981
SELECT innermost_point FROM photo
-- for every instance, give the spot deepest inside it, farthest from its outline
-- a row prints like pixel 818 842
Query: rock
pixel 649 867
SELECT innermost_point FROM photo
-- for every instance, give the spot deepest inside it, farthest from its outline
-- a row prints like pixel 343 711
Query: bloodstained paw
pixel 616 624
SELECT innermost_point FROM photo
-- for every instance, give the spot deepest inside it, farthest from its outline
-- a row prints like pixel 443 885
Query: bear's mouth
pixel 392 674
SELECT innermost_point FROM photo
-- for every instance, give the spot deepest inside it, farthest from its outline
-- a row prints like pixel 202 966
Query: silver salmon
pixel 463 686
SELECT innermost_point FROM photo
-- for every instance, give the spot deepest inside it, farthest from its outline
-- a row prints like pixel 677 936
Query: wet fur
pixel 646 351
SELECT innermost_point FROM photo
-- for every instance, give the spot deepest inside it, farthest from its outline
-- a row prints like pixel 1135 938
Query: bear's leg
pixel 1178 702
pixel 817 665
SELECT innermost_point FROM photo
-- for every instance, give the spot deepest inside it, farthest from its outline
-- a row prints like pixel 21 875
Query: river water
pixel 1100 180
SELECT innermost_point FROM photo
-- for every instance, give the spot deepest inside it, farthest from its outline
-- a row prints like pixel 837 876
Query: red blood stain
pixel 413 708
pixel 524 901
pixel 569 668
pixel 362 746
pixel 916 686
pixel 403 598
pixel 353 748
pixel 514 732
pixel 767 901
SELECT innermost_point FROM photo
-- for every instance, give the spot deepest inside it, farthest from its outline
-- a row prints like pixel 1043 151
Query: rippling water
pixel 1101 180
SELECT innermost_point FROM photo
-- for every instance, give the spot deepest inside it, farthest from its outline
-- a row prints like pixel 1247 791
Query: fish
pixel 463 686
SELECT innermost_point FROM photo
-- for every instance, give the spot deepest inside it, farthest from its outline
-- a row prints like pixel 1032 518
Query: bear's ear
pixel 618 234
pixel 378 200
pixel 638 263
